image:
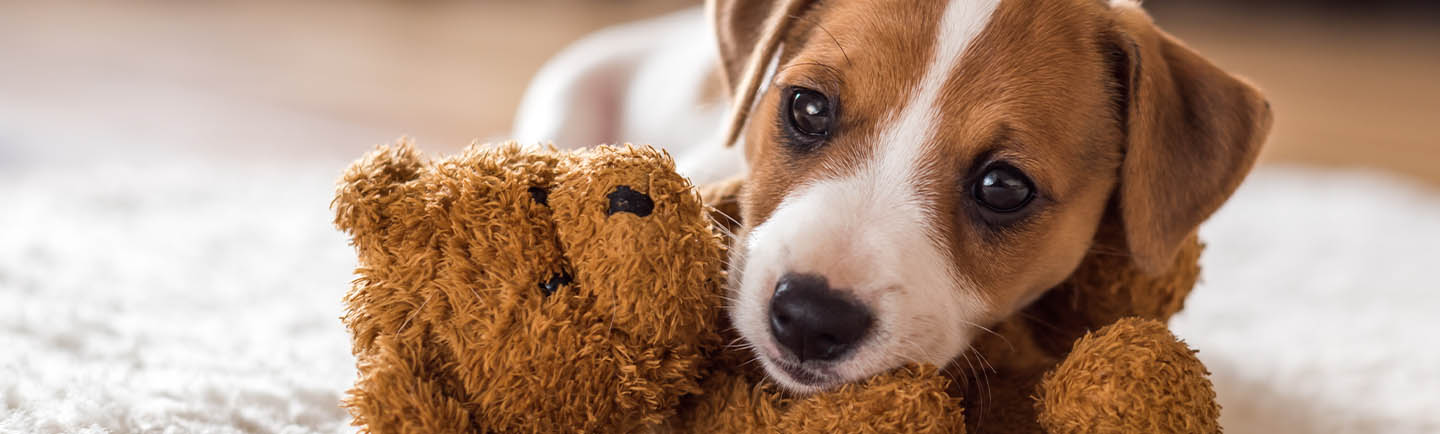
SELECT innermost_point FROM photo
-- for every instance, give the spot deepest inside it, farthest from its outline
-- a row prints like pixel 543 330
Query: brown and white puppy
pixel 919 169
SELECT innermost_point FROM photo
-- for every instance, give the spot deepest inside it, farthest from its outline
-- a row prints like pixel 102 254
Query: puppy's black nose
pixel 813 321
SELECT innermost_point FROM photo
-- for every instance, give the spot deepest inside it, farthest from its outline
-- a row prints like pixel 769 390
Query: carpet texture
pixel 188 297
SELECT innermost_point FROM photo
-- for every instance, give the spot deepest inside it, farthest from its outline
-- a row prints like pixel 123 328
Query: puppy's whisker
pixel 724 225
pixel 985 361
pixel 971 378
pixel 984 383
pixel 722 229
pixel 921 351
pixel 732 220
pixel 987 330
pixel 970 367
pixel 983 374
pixel 740 344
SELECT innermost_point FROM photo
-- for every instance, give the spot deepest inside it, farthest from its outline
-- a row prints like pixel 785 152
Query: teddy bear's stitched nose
pixel 540 195
pixel 625 199
pixel 813 321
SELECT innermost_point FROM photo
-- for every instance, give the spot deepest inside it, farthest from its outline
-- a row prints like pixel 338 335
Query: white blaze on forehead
pixel 872 231
pixel 893 177
pixel 902 143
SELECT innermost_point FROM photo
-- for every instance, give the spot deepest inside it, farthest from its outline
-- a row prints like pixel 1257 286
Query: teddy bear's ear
pixel 370 185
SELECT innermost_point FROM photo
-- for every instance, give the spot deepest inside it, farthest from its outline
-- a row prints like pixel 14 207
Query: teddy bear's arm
pixel 1130 376
pixel 911 399
pixel 400 389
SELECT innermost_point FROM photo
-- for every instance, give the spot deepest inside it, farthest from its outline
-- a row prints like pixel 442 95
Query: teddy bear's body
pixel 515 290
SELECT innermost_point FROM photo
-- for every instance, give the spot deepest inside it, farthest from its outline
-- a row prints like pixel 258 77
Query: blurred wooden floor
pixel 297 80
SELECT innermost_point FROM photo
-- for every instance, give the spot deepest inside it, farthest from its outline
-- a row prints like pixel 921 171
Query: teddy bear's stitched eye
pixel 541 195
pixel 625 199
pixel 556 281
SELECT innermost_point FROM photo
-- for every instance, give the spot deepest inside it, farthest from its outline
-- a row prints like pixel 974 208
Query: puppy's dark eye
pixel 1003 189
pixel 809 115
pixel 810 112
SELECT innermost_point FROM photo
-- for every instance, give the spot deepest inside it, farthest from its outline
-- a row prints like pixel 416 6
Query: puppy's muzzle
pixel 814 322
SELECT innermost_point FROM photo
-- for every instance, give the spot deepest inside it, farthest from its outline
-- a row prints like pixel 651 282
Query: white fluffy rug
pixel 171 299
pixel 191 298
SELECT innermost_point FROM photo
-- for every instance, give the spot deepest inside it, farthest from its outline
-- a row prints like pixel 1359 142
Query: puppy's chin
pixel 874 358
pixel 798 379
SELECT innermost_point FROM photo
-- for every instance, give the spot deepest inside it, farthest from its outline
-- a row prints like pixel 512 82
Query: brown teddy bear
pixel 508 289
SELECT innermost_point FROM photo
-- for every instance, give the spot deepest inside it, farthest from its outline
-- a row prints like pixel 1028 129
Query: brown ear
pixel 1193 133
pixel 749 34
pixel 372 184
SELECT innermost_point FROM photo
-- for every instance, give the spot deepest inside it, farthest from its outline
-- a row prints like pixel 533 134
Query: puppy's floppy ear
pixel 1192 134
pixel 749 34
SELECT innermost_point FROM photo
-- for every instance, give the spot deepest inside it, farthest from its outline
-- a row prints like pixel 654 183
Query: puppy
pixel 919 169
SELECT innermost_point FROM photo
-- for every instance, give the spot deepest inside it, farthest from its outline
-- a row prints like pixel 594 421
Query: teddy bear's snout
pixel 625 199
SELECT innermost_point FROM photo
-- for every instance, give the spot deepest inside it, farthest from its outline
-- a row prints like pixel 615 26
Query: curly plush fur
pixel 528 290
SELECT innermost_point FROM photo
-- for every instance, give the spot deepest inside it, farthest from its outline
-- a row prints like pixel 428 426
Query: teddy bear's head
pixel 500 272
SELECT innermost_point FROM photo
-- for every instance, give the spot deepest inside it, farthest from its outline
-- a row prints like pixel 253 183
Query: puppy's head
pixel 922 168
